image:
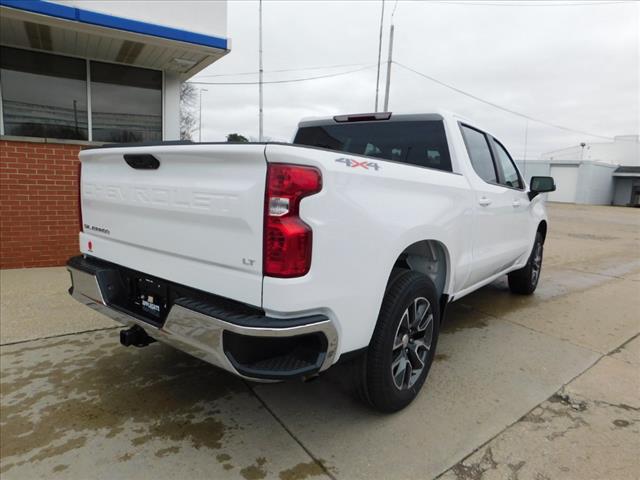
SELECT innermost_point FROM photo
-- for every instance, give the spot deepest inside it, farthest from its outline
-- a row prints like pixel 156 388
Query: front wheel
pixel 525 280
pixel 403 344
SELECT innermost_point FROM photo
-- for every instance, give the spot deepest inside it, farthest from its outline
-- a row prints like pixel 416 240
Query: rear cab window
pixel 419 142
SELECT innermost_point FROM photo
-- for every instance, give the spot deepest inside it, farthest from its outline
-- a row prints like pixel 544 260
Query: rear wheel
pixel 403 344
pixel 525 280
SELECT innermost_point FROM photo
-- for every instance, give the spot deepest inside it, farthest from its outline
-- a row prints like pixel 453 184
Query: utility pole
pixel 200 116
pixel 526 138
pixel 260 119
pixel 389 62
pixel 379 55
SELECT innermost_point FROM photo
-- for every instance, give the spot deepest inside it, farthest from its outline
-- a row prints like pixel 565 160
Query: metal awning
pixel 65 30
pixel 627 171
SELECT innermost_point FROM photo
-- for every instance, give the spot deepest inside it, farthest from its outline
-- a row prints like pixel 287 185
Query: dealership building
pixel 81 73
pixel 597 173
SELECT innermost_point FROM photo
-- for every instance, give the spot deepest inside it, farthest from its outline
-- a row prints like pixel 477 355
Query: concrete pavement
pixel 84 407
pixel 590 429
pixel 34 305
pixel 523 387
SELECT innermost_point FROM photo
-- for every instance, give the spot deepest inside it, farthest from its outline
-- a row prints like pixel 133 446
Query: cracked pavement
pixel 590 429
pixel 541 387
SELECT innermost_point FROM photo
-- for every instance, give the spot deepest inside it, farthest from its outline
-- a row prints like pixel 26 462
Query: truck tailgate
pixel 196 219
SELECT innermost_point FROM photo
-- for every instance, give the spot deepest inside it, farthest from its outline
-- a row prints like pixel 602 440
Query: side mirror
pixel 541 185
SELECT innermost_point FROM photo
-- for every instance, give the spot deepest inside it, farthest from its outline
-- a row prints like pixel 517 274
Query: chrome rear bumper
pixel 191 329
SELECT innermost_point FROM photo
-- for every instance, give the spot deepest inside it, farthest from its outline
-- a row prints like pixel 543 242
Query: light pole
pixel 379 55
pixel 200 116
pixel 389 59
pixel 389 62
pixel 260 115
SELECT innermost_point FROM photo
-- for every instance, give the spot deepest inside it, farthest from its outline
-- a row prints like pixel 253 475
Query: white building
pixel 96 70
pixel 624 150
pixel 598 173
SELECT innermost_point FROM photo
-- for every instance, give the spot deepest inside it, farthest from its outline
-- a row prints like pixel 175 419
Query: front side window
pixel 480 154
pixel 126 103
pixel 422 143
pixel 43 95
pixel 509 170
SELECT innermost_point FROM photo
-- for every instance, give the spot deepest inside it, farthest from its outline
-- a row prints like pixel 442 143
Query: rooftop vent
pixel 129 51
pixel 181 64
pixel 39 36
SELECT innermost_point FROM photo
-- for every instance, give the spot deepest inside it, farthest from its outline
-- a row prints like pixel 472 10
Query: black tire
pixel 409 292
pixel 525 280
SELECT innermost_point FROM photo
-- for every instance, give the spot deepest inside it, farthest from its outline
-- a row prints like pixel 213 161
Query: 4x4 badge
pixel 349 162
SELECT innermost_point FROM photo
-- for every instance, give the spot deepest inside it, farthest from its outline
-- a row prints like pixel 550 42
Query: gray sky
pixel 576 66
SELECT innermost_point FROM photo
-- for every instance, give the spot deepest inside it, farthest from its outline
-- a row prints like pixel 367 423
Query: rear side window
pixel 480 154
pixel 421 143
pixel 509 170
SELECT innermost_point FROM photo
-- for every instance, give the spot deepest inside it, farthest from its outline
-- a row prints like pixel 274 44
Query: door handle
pixel 516 203
pixel 484 201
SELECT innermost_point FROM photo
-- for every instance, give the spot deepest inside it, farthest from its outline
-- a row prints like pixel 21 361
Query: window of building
pixel 480 154
pixel 511 178
pixel 422 143
pixel 43 95
pixel 126 103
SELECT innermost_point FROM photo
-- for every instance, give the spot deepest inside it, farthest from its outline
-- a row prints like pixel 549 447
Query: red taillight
pixel 80 196
pixel 287 239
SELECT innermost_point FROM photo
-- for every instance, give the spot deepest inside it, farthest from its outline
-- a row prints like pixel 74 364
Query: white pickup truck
pixel 274 261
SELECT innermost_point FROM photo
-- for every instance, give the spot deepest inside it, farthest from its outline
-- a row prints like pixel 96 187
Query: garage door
pixel 566 177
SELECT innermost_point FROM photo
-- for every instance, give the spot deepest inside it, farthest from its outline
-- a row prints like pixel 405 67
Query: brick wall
pixel 38 203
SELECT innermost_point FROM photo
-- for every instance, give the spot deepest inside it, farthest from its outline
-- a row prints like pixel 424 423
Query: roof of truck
pixel 433 114
pixel 436 114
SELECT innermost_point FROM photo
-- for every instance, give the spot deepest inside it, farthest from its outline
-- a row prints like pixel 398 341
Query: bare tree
pixel 188 119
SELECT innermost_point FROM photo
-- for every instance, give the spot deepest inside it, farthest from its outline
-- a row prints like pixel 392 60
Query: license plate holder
pixel 151 297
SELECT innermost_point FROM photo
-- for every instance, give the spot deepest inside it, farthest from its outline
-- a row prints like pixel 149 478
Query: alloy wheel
pixel 412 343
pixel 536 264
